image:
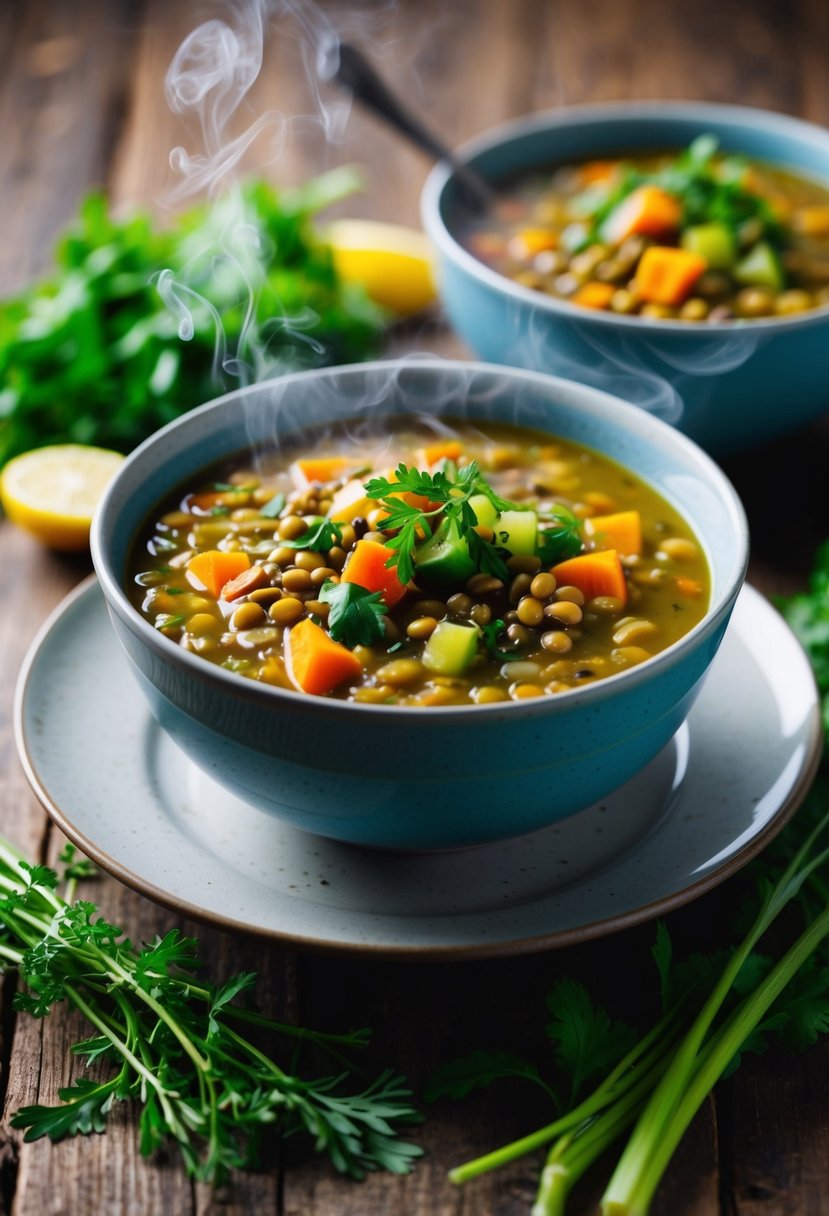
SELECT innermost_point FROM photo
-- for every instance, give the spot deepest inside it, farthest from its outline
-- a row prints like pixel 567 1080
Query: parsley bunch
pixel 450 501
pixel 93 354
pixel 179 1046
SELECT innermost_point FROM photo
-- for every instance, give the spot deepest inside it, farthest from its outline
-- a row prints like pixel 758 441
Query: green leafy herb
pixel 321 536
pixel 709 187
pixel 451 499
pixel 180 1047
pixel 560 535
pixel 93 355
pixel 356 615
pixel 491 632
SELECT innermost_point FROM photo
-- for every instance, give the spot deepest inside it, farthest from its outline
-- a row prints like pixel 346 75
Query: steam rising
pixel 209 81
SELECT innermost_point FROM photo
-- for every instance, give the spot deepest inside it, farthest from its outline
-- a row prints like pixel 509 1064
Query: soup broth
pixel 476 565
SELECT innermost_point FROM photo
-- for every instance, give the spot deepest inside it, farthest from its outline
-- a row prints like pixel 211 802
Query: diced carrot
pixel 317 664
pixel 647 210
pixel 350 501
pixel 530 241
pixel 594 171
pixel 316 470
pixel 621 531
pixel 812 221
pixel 445 449
pixel 367 567
pixel 594 295
pixel 211 570
pixel 249 580
pixel 666 275
pixel 690 587
pixel 598 573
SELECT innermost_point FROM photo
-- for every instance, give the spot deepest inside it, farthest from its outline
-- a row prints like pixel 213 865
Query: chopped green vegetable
pixel 94 355
pixel 714 242
pixel 760 268
pixel 356 615
pixel 445 559
pixel 177 1045
pixel 451 648
pixel 273 507
pixel 516 531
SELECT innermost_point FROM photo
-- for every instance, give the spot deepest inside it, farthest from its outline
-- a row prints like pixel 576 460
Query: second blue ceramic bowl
pixel 728 386
pixel 418 777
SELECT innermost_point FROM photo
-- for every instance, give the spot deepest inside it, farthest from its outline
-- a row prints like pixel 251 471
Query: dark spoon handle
pixel 355 73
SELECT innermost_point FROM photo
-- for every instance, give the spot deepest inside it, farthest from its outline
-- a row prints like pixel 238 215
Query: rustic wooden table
pixel 82 104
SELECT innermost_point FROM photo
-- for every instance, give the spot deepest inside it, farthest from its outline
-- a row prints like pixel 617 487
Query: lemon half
pixel 392 262
pixel 52 492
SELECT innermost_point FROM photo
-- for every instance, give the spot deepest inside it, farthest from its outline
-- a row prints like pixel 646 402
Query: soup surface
pixel 698 236
pixel 467 566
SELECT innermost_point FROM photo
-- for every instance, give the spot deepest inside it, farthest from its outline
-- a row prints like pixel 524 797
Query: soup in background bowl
pixel 728 382
pixel 422 776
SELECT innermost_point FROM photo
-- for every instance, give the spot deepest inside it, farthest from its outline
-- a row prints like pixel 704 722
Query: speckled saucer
pixel 121 789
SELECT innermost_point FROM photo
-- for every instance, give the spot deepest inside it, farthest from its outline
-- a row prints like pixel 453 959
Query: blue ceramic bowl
pixel 727 386
pixel 416 777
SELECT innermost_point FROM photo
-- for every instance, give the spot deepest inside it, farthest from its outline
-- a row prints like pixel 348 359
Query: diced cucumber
pixel 760 268
pixel 444 559
pixel 517 531
pixel 451 648
pixel 713 242
pixel 485 513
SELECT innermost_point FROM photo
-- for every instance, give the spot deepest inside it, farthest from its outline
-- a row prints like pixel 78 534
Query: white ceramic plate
pixel 121 790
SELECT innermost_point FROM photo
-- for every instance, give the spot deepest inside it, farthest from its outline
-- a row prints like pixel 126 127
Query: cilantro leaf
pixel 585 1040
pixel 356 615
pixel 458 1078
pixel 321 536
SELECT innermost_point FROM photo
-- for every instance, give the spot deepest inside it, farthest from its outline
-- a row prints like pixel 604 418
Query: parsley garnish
pixel 451 499
pixel 356 615
pixel 560 535
pixel 491 631
pixel 321 536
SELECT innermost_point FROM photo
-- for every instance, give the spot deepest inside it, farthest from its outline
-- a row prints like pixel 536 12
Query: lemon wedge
pixel 52 492
pixel 393 263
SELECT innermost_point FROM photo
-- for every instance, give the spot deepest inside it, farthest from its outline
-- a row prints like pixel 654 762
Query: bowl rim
pixel 594 401
pixel 616 113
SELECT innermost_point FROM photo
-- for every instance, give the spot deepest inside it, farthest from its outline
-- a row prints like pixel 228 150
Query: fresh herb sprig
pixel 180 1047
pixel 450 500
pixel 356 615
pixel 560 535
pixel 320 536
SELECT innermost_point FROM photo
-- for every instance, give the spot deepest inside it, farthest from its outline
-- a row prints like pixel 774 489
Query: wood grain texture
pixel 81 103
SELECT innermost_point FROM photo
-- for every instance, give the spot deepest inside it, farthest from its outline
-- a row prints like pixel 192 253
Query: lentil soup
pixel 471 566
pixel 700 236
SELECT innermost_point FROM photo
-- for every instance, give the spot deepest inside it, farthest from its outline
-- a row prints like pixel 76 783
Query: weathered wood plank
pixel 60 100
